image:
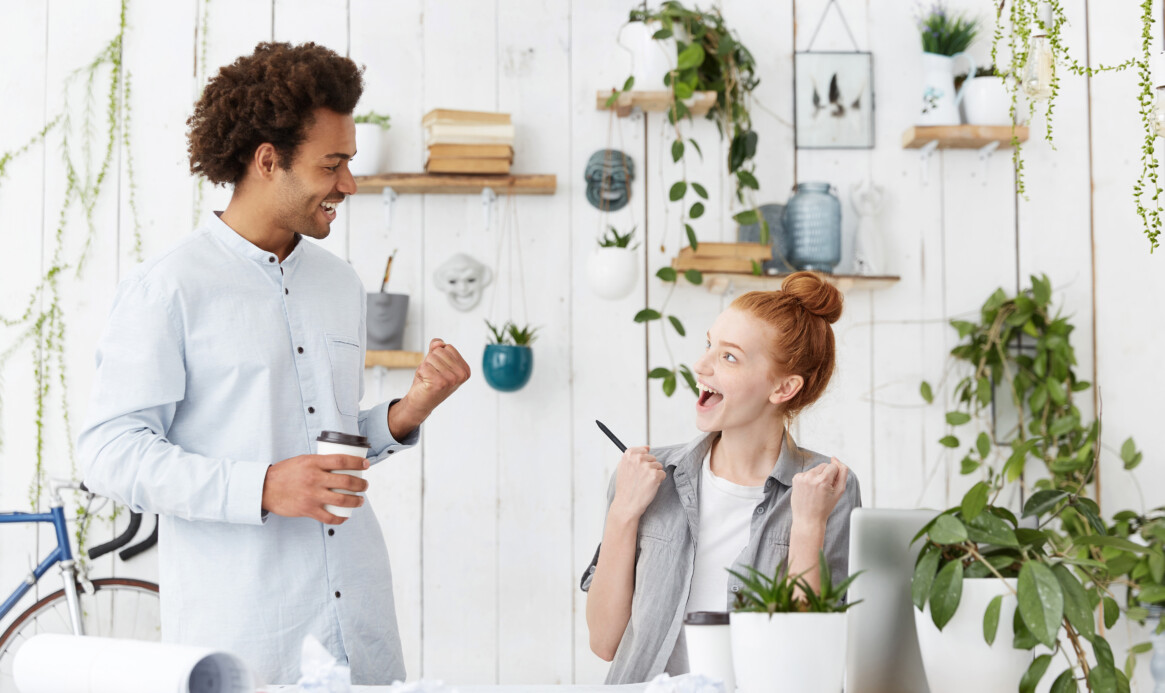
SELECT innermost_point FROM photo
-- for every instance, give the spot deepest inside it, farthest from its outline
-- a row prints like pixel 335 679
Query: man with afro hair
pixel 224 359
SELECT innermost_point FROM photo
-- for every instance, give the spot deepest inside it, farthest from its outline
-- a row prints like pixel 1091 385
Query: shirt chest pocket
pixel 344 354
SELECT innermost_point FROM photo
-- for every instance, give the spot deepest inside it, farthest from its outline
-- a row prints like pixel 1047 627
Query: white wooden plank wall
pixel 492 519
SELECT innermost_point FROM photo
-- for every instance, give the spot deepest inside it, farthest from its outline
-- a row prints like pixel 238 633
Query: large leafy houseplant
pixel 1068 562
pixel 709 57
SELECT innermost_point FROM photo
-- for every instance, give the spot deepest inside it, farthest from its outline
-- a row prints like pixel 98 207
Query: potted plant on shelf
pixel 370 129
pixel 987 100
pixel 1057 564
pixel 612 268
pixel 786 635
pixel 945 38
pixel 508 360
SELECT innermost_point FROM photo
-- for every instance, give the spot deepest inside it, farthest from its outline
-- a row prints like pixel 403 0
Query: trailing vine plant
pixel 709 57
pixel 1021 20
pixel 42 321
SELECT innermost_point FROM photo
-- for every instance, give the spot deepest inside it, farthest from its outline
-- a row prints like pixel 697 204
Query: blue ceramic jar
pixel 812 222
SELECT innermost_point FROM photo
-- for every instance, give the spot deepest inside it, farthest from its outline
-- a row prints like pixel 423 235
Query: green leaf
pixel 683 90
pixel 675 322
pixel 1042 502
pixel 1103 679
pixel 677 150
pixel 965 328
pixel 667 274
pixel 1041 290
pixel 746 217
pixel 984 390
pixel 647 314
pixel 991 619
pixel 692 56
pixel 699 189
pixel 659 373
pixel 924 572
pixel 957 418
pixel 662 34
pixel 1111 612
pixel 1034 673
pixel 1114 542
pixel 927 393
pixel 1056 391
pixel 945 593
pixel 949 441
pixel 1128 451
pixel 1077 607
pixel 948 530
pixel 694 276
pixel 697 210
pixel 611 99
pixel 983 445
pixel 689 379
pixel 975 500
pixel 669 384
pixel 696 146
pixel 987 528
pixel 629 83
pixel 1041 602
pixel 969 465
pixel 1065 682
pixel 692 242
pixel 747 180
pixel 677 190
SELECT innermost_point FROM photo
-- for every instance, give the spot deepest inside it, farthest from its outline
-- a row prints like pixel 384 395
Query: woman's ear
pixel 786 389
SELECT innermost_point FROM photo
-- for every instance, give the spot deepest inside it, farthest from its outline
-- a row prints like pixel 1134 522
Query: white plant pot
pixel 958 659
pixel 940 102
pixel 986 101
pixel 613 272
pixel 788 652
pixel 369 160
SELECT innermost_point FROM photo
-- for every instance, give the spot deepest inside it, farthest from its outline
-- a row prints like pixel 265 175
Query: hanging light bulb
pixel 1157 116
pixel 1037 71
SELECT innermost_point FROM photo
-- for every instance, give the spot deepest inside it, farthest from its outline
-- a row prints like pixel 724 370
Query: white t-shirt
pixel 726 511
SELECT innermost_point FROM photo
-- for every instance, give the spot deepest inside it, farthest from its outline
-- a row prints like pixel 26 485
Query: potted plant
pixel 786 635
pixel 945 37
pixel 508 360
pixel 986 99
pixel 1059 560
pixel 613 268
pixel 370 129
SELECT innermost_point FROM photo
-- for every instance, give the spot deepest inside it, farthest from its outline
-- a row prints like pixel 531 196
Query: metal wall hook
pixel 388 197
pixel 924 156
pixel 488 197
pixel 984 155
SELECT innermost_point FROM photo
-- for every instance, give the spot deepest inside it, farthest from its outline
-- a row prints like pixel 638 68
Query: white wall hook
pixel 924 155
pixel 984 154
pixel 488 197
pixel 388 197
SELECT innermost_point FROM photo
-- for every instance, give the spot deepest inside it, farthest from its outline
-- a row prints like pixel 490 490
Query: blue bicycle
pixel 109 607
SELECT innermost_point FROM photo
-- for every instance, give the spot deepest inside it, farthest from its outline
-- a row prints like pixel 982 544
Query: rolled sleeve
pixel 374 426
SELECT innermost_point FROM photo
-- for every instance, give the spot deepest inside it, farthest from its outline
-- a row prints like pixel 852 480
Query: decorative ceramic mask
pixel 609 175
pixel 463 279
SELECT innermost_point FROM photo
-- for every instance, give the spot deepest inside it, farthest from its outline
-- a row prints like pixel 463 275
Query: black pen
pixel 604 429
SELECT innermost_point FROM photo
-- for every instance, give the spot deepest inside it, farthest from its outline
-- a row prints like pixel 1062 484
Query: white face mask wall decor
pixel 463 279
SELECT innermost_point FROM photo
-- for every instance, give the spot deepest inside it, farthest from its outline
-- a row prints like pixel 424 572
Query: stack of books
pixel 468 141
pixel 722 257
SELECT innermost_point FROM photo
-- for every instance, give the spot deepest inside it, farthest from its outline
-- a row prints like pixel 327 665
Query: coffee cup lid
pixel 706 618
pixel 343 439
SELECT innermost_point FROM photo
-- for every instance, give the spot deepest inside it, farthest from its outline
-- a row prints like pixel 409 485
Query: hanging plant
pixel 42 322
pixel 709 57
pixel 1035 43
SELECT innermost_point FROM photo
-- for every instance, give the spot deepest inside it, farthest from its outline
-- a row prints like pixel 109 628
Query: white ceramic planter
pixel 940 102
pixel 613 272
pixel 958 659
pixel 369 159
pixel 987 102
pixel 788 652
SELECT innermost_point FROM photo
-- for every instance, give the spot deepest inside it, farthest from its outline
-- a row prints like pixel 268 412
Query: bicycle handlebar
pixel 135 522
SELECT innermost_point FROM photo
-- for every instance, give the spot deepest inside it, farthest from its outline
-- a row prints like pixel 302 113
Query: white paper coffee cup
pixel 710 646
pixel 336 443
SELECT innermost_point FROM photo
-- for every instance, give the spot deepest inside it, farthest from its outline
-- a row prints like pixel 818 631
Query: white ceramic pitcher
pixel 940 101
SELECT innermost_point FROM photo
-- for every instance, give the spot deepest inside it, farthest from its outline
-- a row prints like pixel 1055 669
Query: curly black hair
pixel 268 96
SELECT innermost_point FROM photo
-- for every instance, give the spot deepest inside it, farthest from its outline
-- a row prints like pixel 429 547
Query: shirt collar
pixel 234 240
pixel 790 462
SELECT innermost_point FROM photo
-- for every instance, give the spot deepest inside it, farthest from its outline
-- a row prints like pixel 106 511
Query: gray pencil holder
pixel 386 321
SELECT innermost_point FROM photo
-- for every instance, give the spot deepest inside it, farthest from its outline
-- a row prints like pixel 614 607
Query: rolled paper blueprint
pixel 52 663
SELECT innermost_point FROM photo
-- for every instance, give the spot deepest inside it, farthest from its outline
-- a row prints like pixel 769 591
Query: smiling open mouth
pixel 708 396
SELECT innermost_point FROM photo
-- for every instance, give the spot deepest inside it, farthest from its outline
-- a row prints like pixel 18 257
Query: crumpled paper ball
pixel 319 671
pixel 686 683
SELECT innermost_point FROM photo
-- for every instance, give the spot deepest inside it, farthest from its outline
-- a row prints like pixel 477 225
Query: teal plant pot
pixel 507 368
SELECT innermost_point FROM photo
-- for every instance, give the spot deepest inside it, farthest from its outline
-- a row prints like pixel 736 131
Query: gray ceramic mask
pixel 609 175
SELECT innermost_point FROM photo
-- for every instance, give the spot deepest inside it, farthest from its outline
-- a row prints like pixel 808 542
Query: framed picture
pixel 833 100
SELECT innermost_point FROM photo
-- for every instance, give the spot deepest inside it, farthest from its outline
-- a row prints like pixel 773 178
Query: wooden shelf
pixel 721 283
pixel 457 184
pixel 393 359
pixel 961 136
pixel 654 101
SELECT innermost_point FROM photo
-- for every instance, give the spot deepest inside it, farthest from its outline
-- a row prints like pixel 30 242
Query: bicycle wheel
pixel 117 608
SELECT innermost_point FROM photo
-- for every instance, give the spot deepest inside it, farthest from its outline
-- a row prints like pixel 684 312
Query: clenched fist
pixel 637 479
pixel 816 492
pixel 438 376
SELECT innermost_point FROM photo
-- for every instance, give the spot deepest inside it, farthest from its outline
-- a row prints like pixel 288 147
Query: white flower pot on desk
pixel 788 652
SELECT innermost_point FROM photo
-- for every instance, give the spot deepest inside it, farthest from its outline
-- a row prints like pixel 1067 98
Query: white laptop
pixel 882 653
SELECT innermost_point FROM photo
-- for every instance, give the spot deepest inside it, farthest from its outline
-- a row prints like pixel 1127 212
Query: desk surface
pixel 454 688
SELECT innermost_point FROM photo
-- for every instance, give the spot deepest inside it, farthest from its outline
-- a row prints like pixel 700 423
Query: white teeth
pixel 330 206
pixel 705 388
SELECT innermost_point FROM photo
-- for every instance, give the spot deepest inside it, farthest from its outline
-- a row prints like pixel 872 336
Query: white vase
pixel 369 150
pixel 612 272
pixel 958 659
pixel 986 101
pixel 940 101
pixel 788 652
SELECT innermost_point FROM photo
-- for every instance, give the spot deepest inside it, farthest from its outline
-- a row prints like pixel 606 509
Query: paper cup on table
pixel 336 443
pixel 710 646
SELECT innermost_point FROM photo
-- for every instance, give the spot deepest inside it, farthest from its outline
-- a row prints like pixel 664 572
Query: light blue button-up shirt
pixel 218 361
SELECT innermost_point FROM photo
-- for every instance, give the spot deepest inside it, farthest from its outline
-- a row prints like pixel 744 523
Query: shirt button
pixel 271 259
pixel 285 292
pixel 736 588
pixel 331 532
pixel 337 594
pixel 769 484
pixel 299 349
pixel 760 510
pixel 311 410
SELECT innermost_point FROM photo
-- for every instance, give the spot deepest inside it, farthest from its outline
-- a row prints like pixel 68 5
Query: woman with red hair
pixel 741 494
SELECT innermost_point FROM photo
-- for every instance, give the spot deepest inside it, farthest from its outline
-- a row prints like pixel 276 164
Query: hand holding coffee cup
pixel 335 443
pixel 308 485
